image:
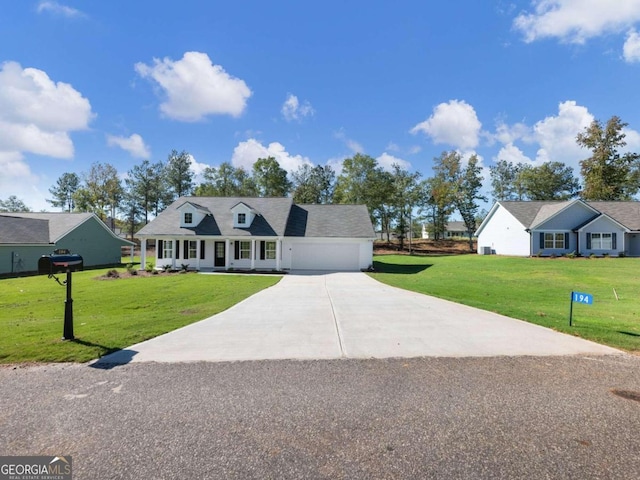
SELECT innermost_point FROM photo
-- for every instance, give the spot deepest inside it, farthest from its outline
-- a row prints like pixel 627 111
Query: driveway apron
pixel 311 315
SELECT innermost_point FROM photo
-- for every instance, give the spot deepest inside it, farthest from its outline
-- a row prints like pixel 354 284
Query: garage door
pixel 323 256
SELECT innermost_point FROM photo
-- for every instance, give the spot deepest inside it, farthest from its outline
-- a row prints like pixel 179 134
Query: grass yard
pixel 533 289
pixel 109 314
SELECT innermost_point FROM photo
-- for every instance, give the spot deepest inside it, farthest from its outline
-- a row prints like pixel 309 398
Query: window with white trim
pixel 245 249
pixel 270 250
pixel 242 218
pixel 193 249
pixel 554 240
pixel 167 249
pixel 188 218
pixel 601 241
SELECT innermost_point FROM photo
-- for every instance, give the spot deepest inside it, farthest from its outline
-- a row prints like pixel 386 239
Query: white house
pixel 561 227
pixel 455 229
pixel 209 233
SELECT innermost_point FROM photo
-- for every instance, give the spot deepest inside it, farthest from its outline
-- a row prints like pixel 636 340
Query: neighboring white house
pixel 452 230
pixel 561 227
pixel 209 233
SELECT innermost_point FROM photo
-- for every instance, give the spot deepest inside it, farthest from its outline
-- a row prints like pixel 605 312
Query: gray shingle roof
pixel 527 212
pixel 30 231
pixel 535 212
pixel 626 213
pixel 59 223
pixel 275 217
pixel 345 221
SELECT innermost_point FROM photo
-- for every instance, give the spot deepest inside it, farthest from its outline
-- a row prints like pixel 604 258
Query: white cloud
pixel 386 161
pixel 246 153
pixel 194 87
pixel 351 144
pixel 454 123
pixel 575 21
pixel 631 49
pixel 197 169
pixel 133 144
pixel 59 9
pixel 556 135
pixel 16 178
pixel 510 133
pixel 513 154
pixel 37 114
pixel 292 109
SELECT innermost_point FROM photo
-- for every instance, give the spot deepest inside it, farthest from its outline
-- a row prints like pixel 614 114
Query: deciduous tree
pixel 608 174
pixel 13 204
pixel 270 178
pixel 549 181
pixel 313 184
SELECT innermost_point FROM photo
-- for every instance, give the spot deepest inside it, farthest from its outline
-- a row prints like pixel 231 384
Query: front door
pixel 219 258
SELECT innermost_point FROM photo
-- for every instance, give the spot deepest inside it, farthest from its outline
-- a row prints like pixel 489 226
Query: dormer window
pixel 188 218
pixel 242 218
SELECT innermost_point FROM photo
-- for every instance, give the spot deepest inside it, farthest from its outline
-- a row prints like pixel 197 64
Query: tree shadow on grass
pixel 409 269
pixel 629 333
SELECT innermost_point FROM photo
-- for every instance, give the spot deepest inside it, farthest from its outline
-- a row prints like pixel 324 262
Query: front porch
pixel 214 254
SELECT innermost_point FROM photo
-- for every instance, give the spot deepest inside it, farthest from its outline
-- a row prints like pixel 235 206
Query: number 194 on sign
pixel 580 297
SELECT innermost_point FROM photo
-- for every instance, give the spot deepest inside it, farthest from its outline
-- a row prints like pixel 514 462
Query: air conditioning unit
pixel 485 250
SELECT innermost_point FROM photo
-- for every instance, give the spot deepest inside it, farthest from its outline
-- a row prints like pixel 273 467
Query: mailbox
pixel 59 263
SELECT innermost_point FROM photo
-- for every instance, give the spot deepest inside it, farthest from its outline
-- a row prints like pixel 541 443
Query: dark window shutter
pixel 588 241
pixel 541 240
pixel 201 249
pixel 236 248
pixel 185 250
pixel 614 241
pixel 160 246
pixel 177 254
pixel 566 241
pixel 262 249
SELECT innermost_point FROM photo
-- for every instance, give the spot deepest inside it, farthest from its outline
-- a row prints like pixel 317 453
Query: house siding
pixel 94 243
pixel 576 214
pixel 90 239
pixel 25 257
pixel 537 247
pixel 504 234
pixel 602 225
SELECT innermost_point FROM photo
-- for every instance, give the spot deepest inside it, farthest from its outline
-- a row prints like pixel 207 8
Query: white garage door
pixel 325 256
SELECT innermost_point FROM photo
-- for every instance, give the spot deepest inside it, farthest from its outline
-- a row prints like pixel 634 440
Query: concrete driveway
pixel 350 315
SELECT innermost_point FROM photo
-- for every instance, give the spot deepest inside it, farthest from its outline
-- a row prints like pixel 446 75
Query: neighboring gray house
pixel 561 227
pixel 209 233
pixel 25 237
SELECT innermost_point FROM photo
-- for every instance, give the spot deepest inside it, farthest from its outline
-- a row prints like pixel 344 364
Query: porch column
pixel 278 253
pixel 253 254
pixel 143 253
pixel 198 242
pixel 227 253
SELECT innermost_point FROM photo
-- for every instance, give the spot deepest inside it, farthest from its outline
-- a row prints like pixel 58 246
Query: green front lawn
pixel 109 314
pixel 533 289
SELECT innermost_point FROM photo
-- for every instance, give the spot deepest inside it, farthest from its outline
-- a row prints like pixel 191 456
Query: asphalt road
pixel 492 417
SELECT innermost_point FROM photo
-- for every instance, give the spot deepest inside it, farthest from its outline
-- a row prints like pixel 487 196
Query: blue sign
pixel 579 297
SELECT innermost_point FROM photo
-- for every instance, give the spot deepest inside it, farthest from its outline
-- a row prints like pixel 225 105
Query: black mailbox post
pixel 59 262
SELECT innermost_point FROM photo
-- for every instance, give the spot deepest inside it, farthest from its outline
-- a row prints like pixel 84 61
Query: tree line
pixel 398 200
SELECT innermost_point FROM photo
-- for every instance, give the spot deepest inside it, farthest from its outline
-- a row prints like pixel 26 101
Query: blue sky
pixel 307 82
